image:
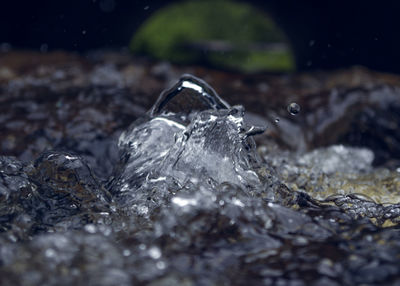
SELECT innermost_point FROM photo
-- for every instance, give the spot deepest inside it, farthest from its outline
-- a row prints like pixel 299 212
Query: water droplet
pixel 277 120
pixel 293 108
pixel 155 252
pixel 146 7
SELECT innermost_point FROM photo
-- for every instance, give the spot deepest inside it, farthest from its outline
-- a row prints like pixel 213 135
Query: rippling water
pixel 193 201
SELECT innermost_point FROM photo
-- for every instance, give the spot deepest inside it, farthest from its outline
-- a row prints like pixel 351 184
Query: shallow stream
pixel 185 196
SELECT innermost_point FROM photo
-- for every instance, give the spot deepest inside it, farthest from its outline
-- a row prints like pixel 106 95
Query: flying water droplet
pixel 293 108
pixel 155 252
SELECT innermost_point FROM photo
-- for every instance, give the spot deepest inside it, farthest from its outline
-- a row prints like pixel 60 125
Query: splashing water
pixel 190 136
pixel 191 202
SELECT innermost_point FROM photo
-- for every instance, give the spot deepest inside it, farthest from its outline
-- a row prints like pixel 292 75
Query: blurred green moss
pixel 173 32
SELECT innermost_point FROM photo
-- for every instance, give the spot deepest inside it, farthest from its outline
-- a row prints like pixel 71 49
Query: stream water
pixel 193 201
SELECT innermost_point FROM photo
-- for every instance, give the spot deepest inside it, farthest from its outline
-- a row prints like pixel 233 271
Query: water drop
pixel 277 120
pixel 293 108
pixel 155 252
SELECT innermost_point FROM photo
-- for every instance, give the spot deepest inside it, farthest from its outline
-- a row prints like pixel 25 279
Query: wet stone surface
pixel 101 192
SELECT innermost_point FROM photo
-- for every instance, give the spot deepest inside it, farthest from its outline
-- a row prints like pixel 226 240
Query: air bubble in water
pixel 293 108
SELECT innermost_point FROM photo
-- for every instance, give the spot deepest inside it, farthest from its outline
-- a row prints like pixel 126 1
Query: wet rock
pixel 57 192
pixel 67 182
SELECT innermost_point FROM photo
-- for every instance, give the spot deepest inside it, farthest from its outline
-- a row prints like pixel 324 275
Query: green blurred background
pixel 221 33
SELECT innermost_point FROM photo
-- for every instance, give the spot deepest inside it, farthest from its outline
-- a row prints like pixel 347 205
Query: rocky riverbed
pixel 103 181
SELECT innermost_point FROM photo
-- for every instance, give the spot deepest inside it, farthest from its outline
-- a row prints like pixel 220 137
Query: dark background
pixel 324 34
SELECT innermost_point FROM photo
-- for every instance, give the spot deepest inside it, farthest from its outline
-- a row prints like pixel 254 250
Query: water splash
pixel 190 136
pixel 193 204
